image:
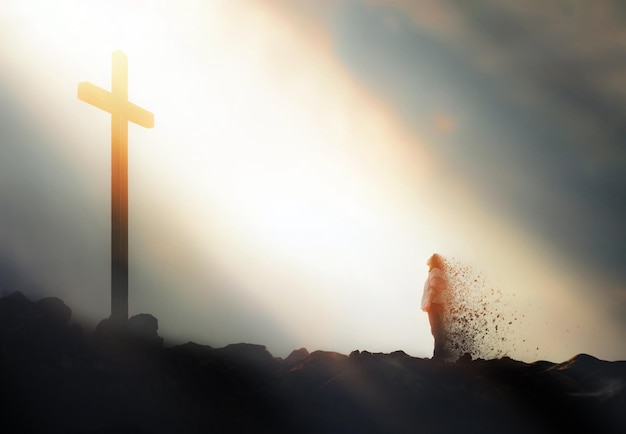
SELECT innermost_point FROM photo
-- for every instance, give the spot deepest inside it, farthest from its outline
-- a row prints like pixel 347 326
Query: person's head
pixel 435 261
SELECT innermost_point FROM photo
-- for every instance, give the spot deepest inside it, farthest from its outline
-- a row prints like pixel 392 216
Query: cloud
pixel 444 123
pixel 561 66
pixel 566 58
pixel 539 87
pixel 537 108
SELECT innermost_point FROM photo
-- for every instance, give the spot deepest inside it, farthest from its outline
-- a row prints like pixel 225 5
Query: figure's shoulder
pixel 436 272
pixel 437 275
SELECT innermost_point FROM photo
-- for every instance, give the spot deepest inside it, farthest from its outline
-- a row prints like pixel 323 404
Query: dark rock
pixel 138 333
pixel 296 356
pixel 580 364
pixel 399 354
pixel 15 311
pixel 143 324
pixel 243 354
pixel 112 382
pixel 143 327
pixel 465 358
pixel 53 311
pixel 14 304
pixel 191 350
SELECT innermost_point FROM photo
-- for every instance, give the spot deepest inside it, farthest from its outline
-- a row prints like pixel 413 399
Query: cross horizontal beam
pixel 104 100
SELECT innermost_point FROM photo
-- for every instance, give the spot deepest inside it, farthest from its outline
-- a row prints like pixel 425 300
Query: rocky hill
pixel 57 379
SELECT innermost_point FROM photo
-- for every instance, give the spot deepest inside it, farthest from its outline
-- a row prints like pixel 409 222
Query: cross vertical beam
pixel 122 111
pixel 119 190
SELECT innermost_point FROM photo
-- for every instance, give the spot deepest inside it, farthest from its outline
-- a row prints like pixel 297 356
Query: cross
pixel 116 102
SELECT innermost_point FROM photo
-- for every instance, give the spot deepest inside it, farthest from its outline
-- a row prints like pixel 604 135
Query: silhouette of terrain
pixel 55 378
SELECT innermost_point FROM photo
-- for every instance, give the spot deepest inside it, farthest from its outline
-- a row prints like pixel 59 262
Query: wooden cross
pixel 116 102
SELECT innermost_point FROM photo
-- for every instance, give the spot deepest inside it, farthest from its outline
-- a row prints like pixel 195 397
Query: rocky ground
pixel 55 378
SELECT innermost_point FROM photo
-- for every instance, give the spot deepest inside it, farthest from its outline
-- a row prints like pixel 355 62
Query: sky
pixel 308 157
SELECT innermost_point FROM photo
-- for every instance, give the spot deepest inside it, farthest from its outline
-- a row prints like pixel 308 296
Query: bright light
pixel 271 181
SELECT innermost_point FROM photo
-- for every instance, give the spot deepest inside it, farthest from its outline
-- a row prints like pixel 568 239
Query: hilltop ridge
pixel 58 379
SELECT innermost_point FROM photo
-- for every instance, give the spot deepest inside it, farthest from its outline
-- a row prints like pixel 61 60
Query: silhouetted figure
pixel 433 302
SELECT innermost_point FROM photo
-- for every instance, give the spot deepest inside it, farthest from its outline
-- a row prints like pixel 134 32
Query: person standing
pixel 434 301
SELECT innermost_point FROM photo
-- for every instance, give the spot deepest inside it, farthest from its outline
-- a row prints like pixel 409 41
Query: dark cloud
pixel 541 89
pixel 576 80
pixel 574 118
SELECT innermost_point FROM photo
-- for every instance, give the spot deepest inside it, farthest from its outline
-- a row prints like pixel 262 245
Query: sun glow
pixel 272 182
pixel 303 165
pixel 263 148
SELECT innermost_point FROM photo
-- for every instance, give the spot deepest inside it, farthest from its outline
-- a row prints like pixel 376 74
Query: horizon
pixel 88 328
